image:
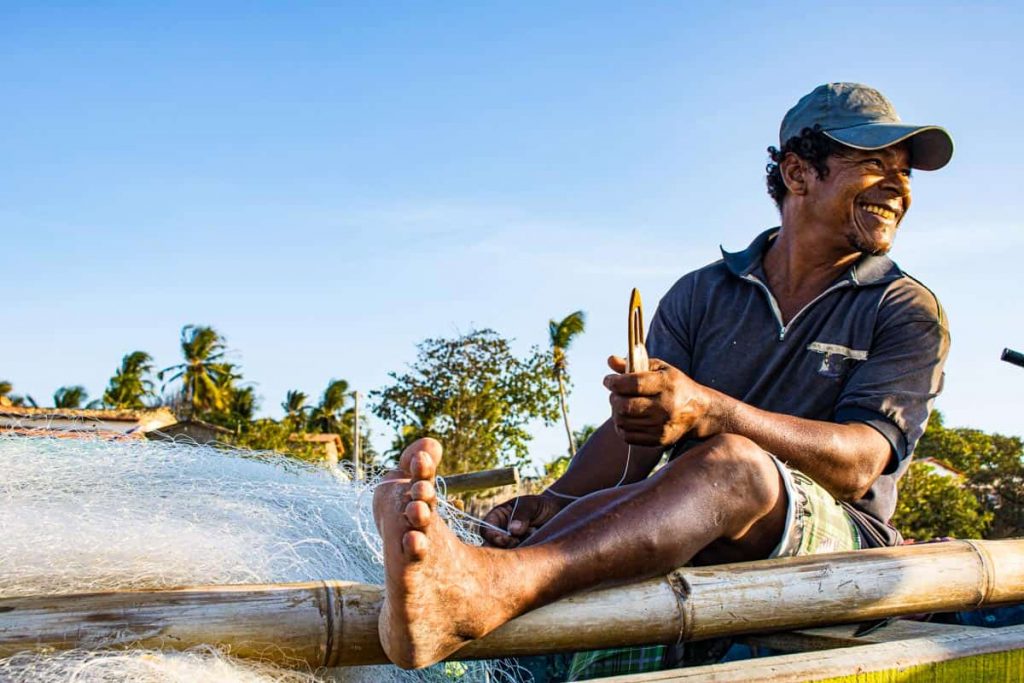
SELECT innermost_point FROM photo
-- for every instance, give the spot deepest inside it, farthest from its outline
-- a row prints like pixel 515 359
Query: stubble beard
pixel 857 241
pixel 864 247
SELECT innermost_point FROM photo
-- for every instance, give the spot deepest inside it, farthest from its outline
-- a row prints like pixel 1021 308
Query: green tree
pixel 334 414
pixel 561 334
pixel 6 389
pixel 473 395
pixel 993 466
pixel 328 415
pixel 265 434
pixel 932 505
pixel 130 386
pixel 296 411
pixel 554 469
pixel 584 433
pixel 204 373
pixel 242 404
pixel 70 397
pixel 6 392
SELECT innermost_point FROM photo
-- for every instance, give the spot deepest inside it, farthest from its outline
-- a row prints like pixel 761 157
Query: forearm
pixel 603 462
pixel 845 459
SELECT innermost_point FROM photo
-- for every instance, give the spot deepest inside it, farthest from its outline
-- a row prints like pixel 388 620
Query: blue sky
pixel 328 184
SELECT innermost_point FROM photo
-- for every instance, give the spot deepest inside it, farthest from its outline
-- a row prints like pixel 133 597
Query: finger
pixel 495 538
pixel 617 363
pixel 640 438
pixel 522 518
pixel 495 519
pixel 636 383
pixel 651 422
pixel 633 407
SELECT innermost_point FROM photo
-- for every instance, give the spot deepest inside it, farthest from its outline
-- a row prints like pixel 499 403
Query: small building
pixel 331 443
pixel 191 431
pixel 74 422
pixel 936 466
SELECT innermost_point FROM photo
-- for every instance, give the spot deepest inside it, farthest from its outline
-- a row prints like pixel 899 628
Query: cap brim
pixel 931 147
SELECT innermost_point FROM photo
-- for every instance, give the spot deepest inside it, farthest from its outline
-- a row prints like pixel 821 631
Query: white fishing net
pixel 87 515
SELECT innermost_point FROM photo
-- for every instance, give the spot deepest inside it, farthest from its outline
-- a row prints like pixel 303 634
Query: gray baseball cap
pixel 860 117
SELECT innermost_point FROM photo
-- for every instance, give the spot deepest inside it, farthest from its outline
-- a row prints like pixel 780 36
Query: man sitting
pixel 789 381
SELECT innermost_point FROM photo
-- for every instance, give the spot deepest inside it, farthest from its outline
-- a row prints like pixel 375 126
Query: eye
pixel 874 163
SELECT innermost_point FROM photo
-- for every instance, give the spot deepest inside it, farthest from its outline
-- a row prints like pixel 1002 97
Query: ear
pixel 794 173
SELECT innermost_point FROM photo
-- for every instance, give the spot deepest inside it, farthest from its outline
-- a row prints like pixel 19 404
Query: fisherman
pixel 789 383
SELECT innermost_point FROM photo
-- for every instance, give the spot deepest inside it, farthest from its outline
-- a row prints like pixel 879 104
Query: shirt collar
pixel 868 270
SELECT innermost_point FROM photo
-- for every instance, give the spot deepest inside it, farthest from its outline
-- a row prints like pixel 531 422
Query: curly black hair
pixel 812 146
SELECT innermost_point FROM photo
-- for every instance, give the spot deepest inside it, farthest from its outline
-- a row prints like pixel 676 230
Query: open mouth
pixel 883 212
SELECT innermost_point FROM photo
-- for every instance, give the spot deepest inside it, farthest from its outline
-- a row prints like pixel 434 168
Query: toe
pixel 423 490
pixel 430 447
pixel 418 514
pixel 422 466
pixel 415 544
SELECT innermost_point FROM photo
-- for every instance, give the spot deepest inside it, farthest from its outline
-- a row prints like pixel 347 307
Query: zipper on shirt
pixel 783 328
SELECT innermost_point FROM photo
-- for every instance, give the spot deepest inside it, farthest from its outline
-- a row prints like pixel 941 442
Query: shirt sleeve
pixel 669 336
pixel 894 388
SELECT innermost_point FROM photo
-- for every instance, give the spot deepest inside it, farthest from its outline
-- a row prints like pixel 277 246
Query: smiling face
pixel 864 196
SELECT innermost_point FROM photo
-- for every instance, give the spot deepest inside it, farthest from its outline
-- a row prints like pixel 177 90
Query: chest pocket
pixel 835 359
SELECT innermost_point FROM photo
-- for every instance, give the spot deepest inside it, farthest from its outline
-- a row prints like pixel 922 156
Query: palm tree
pixel 242 404
pixel 7 398
pixel 562 334
pixel 72 397
pixel 295 408
pixel 129 387
pixel 204 374
pixel 328 416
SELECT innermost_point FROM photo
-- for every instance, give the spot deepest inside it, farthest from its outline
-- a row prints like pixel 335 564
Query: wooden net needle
pixel 636 354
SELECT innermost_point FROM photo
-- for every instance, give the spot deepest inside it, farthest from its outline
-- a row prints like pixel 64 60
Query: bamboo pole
pixel 334 623
pixel 478 481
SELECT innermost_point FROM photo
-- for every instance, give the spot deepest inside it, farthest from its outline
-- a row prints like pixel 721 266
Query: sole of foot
pixel 437 589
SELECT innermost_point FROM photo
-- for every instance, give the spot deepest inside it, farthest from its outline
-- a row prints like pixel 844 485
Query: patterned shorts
pixel 815 523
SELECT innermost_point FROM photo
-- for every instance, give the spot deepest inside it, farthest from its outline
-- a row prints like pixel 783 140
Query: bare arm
pixel 664 405
pixel 602 463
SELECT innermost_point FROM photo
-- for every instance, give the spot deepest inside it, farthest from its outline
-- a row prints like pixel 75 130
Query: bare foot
pixel 440 592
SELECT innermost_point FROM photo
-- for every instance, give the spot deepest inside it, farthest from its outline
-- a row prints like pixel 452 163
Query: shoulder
pixel 907 299
pixel 702 279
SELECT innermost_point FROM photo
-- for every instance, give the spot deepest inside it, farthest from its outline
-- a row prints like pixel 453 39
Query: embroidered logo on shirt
pixel 835 357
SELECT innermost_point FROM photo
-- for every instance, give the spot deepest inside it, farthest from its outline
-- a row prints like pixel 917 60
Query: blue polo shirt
pixel 869 349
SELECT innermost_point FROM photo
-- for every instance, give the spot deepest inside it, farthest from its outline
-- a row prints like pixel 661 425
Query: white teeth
pixel 885 213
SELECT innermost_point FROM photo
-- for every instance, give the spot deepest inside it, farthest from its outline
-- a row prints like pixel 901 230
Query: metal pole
pixel 355 439
pixel 1011 356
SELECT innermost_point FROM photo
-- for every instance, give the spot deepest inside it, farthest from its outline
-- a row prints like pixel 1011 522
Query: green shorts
pixel 815 523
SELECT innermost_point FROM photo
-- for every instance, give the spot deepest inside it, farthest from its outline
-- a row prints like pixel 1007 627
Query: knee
pixel 742 465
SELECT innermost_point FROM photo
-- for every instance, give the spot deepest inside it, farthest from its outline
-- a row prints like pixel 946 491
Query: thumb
pixel 617 364
pixel 522 516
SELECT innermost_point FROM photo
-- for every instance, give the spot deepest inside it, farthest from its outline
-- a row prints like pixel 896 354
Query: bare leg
pixel 441 593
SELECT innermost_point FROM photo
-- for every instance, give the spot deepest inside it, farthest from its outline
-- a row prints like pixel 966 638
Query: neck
pixel 806 257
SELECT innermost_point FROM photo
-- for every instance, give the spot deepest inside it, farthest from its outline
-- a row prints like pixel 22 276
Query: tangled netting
pixel 87 515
